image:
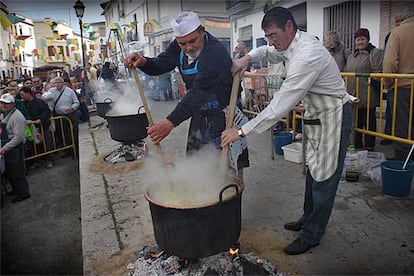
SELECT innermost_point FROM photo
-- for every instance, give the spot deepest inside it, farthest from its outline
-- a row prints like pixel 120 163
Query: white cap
pixel 185 23
pixel 7 98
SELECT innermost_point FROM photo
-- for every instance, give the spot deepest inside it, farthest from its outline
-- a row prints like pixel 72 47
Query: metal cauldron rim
pixel 232 178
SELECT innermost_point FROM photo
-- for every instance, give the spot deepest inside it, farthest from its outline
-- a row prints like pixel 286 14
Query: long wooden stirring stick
pixel 229 121
pixel 147 111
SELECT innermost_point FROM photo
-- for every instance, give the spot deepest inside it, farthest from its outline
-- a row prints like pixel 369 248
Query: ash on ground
pixel 127 153
pixel 153 262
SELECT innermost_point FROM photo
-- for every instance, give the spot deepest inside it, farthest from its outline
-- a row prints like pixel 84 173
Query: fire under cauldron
pixel 197 231
pixel 103 107
pixel 127 128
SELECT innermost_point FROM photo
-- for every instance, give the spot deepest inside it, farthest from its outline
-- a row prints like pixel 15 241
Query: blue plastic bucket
pixel 396 181
pixel 281 138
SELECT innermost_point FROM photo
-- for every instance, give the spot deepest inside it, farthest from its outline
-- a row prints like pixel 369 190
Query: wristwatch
pixel 240 132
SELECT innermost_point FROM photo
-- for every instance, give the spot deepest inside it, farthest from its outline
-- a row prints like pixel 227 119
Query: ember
pixel 127 153
pixel 219 264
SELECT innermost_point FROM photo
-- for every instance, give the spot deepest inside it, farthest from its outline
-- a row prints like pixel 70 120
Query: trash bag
pixel 373 166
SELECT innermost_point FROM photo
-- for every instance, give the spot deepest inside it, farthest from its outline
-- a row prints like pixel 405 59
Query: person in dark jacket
pixel 39 113
pixel 107 73
pixel 366 58
pixel 205 65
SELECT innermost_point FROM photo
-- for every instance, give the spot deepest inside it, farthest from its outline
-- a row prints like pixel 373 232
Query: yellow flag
pixel 48 42
pixel 22 43
pixel 5 22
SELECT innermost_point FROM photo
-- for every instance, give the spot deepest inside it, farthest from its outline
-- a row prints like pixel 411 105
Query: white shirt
pixel 310 68
pixel 68 99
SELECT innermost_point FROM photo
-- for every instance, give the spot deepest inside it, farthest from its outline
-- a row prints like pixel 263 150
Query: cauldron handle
pixel 107 100
pixel 227 187
pixel 139 108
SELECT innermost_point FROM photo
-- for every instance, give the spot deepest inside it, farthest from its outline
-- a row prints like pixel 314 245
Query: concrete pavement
pixel 368 233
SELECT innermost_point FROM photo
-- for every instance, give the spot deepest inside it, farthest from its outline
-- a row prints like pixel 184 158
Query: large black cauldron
pixel 103 107
pixel 196 232
pixel 127 128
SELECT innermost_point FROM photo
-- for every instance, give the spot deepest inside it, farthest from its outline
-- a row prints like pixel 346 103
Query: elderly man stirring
pixel 206 69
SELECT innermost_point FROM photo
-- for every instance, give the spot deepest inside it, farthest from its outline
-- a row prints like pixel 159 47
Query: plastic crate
pixel 293 152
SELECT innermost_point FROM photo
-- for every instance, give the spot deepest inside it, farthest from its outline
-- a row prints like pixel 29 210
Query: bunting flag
pixel 21 37
pixel 86 26
pixel 52 24
pixel 16 52
pixel 93 35
pixel 77 56
pixel 43 42
pixel 14 19
pixel 22 43
pixel 7 20
pixel 155 23
pixel 48 42
pixel 114 26
pixel 132 25
pixel 56 36
pixel 17 43
pixel 217 23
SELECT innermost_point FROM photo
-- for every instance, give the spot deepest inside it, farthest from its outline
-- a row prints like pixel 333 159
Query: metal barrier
pixel 259 91
pixel 50 137
pixel 382 76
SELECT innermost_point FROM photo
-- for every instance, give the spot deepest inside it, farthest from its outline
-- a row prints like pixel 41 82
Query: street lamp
pixel 80 9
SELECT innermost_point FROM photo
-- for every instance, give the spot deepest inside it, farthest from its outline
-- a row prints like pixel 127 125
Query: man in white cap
pixel 205 65
pixel 12 130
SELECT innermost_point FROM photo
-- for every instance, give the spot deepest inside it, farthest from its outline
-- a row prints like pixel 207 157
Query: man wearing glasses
pixel 312 77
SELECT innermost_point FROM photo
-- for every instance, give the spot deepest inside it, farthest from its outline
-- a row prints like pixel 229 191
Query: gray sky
pixel 57 10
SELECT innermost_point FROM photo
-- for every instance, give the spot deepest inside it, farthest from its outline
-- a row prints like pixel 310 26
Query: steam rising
pixel 194 181
pixel 124 95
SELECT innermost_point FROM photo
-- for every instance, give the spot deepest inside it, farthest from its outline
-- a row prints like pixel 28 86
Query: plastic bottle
pixel 351 164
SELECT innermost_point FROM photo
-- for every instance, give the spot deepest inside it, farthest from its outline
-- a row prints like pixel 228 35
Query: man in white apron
pixel 312 77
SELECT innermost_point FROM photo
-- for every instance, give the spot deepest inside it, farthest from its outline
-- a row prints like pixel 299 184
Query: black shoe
pixel 293 226
pixel 20 198
pixel 386 142
pixel 298 247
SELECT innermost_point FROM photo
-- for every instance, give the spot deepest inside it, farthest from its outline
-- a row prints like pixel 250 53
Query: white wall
pixel 370 17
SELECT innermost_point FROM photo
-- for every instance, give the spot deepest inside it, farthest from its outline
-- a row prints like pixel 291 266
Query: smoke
pixel 194 181
pixel 123 94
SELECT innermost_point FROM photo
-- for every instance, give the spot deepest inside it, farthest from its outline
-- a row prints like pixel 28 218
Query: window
pixel 102 31
pixel 345 18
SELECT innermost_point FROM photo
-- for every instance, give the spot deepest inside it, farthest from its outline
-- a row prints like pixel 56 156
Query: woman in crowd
pixel 366 58
pixel 336 48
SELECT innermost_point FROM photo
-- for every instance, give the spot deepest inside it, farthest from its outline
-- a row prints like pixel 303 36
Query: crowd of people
pixel 27 128
pixel 311 76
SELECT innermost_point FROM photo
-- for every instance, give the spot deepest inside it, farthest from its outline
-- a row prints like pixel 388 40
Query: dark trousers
pixel 16 170
pixel 388 113
pixel 369 140
pixel 320 196
pixel 401 124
